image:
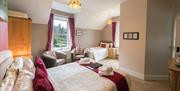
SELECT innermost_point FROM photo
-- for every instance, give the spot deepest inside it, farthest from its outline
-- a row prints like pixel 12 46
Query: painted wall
pixel 60 13
pixel 107 30
pixel 160 24
pixel 3 36
pixel 132 52
pixel 154 20
pixel 89 38
pixel 39 38
pixel 178 32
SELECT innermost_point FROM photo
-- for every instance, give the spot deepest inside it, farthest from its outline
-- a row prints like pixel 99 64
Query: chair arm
pixel 49 61
pixel 61 55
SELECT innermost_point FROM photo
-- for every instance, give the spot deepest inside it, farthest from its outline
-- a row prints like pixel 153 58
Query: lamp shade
pixel 74 4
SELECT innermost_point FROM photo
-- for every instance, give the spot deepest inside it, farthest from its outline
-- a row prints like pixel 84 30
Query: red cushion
pixel 41 81
pixel 39 63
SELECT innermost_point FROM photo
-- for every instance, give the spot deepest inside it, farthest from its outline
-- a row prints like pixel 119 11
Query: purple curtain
pixel 50 32
pixel 113 33
pixel 72 32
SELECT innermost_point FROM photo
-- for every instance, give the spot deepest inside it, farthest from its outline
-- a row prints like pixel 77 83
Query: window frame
pixel 60 18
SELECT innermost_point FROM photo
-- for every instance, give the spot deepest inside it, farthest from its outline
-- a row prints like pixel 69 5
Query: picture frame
pixel 131 35
pixel 3 10
pixel 79 32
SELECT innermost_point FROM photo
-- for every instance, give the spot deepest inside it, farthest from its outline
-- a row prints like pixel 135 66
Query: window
pixel 61 38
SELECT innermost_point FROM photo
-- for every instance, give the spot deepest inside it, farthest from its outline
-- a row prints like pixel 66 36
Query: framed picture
pixel 79 32
pixel 3 10
pixel 131 35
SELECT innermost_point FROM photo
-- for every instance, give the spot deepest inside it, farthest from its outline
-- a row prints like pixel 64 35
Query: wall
pixel 107 30
pixel 154 20
pixel 60 13
pixel 39 38
pixel 89 38
pixel 160 20
pixel 178 32
pixel 3 36
pixel 132 52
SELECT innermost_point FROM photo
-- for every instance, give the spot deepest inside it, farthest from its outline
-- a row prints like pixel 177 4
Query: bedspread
pixel 74 77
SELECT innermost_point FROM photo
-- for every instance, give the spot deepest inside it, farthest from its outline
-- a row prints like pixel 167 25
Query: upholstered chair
pixel 77 54
pixel 52 59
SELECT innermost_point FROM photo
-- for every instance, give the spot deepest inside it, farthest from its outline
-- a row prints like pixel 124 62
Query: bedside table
pixel 112 52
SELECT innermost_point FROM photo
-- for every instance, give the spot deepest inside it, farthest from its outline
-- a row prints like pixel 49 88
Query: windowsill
pixel 59 49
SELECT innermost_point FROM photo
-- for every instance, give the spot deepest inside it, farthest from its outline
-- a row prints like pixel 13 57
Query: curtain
pixel 113 33
pixel 72 31
pixel 117 38
pixel 50 32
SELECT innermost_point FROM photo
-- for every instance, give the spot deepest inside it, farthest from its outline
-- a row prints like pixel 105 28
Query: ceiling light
pixel 74 4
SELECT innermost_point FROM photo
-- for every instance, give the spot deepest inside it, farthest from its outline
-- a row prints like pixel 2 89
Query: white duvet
pixel 74 77
pixel 97 53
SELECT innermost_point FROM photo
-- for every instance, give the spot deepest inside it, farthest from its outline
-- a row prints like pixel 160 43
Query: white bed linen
pixel 74 77
pixel 97 53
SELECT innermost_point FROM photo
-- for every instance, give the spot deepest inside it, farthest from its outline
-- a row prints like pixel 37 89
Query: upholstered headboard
pixel 6 60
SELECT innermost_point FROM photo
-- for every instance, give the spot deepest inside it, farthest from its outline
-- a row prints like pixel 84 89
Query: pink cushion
pixel 39 63
pixel 41 82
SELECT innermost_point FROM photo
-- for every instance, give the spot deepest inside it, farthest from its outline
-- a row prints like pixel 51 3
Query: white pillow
pixel 17 63
pixel 28 65
pixel 24 81
pixel 9 80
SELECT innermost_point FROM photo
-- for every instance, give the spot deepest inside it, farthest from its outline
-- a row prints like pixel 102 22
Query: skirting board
pixel 133 73
pixel 144 77
pixel 157 77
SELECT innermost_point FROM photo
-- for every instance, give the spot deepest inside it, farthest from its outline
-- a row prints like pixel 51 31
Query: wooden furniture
pixel 19 36
pixel 174 76
pixel 112 53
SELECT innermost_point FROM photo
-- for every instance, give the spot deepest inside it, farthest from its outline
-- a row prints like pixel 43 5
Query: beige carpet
pixel 136 84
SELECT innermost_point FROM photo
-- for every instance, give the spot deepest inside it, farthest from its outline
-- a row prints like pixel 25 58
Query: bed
pixel 68 77
pixel 100 52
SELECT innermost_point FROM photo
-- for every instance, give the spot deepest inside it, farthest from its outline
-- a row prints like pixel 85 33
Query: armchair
pixel 51 59
pixel 77 54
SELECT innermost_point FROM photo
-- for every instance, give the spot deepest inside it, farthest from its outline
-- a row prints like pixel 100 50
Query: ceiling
pixel 37 10
pixel 93 14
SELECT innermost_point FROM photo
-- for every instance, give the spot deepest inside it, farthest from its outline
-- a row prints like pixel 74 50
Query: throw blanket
pixel 117 78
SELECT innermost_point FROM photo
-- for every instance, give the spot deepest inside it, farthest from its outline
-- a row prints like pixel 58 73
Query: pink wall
pixel 3 36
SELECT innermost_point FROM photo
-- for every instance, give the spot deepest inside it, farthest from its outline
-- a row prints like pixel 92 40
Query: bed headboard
pixel 6 60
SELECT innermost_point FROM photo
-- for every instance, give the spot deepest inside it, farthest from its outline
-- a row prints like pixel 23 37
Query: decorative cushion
pixel 51 53
pixel 39 63
pixel 104 45
pixel 41 82
pixel 79 51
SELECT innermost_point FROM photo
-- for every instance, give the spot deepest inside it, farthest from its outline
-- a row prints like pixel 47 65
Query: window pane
pixel 61 35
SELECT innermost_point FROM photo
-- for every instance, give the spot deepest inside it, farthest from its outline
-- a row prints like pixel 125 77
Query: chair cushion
pixel 60 61
pixel 79 56
pixel 39 63
pixel 41 82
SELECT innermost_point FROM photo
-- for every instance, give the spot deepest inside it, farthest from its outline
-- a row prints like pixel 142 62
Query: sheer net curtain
pixel 117 36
